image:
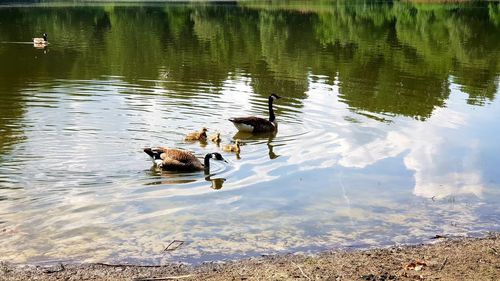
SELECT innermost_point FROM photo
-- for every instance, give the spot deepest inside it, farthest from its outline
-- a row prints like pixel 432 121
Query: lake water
pixel 388 133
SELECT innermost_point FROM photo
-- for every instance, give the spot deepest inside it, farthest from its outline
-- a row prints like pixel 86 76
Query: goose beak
pixel 223 160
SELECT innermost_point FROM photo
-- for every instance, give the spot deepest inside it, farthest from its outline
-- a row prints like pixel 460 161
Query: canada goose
pixel 215 138
pixel 254 124
pixel 232 147
pixel 40 40
pixel 194 136
pixel 180 160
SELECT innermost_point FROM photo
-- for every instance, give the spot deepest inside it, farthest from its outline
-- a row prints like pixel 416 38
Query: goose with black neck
pixel 254 124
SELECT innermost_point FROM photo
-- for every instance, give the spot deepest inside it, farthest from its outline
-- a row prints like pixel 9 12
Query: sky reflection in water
pixel 371 149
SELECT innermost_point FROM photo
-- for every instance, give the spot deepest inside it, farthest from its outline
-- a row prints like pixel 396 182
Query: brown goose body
pixel 179 160
pixel 197 136
pixel 253 124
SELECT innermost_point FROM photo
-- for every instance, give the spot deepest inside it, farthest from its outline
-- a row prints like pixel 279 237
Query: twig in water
pixel 176 244
pixel 444 263
pixel 301 271
pixel 110 265
pixel 162 278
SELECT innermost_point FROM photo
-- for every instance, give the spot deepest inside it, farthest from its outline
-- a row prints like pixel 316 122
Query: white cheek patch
pixel 243 127
pixel 158 162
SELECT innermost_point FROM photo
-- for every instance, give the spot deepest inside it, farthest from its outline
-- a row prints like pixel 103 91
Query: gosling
pixel 232 147
pixel 197 136
pixel 215 138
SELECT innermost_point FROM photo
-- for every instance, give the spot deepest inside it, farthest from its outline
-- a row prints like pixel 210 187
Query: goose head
pixel 274 97
pixel 155 154
pixel 217 156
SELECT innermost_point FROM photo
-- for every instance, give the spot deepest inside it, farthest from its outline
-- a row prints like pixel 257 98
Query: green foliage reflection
pixel 391 58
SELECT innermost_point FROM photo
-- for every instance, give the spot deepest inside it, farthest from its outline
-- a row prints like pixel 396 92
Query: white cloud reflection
pixel 444 159
pixel 443 166
pixel 93 216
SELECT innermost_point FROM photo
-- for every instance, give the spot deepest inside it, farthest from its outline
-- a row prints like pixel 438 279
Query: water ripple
pixel 78 161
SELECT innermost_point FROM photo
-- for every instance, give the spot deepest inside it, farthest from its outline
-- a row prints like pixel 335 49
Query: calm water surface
pixel 388 129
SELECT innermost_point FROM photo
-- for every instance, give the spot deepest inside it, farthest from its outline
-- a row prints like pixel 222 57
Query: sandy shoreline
pixel 447 259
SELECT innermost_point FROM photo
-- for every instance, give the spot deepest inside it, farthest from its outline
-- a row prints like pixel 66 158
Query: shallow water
pixel 388 128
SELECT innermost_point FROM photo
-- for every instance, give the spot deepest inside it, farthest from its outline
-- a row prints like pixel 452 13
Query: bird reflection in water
pixel 40 46
pixel 216 183
pixel 257 137
pixel 272 155
pixel 169 177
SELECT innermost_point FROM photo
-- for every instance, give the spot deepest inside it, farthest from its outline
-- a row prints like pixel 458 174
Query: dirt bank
pixel 447 259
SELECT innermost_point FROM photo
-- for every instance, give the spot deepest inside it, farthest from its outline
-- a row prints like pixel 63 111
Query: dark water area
pixel 388 127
